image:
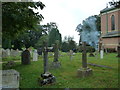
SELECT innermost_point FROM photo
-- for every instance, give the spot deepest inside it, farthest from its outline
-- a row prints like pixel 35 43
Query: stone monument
pixel 25 57
pixel 118 50
pixel 71 54
pixel 35 55
pixel 46 77
pixel 84 71
pixel 10 79
pixel 56 63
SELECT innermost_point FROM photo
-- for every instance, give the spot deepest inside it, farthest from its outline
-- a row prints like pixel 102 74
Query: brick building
pixel 110 27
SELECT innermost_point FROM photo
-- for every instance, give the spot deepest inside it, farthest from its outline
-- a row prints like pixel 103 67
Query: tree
pixel 19 16
pixel 115 3
pixel 68 44
pixel 54 35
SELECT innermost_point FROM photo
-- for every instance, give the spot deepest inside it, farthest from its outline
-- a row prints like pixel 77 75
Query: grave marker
pixel 10 78
pixel 35 55
pixel 84 71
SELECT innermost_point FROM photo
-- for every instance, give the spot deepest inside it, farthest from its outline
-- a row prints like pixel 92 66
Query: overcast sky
pixel 69 13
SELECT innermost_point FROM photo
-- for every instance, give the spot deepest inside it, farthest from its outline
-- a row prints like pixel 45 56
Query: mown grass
pixel 66 76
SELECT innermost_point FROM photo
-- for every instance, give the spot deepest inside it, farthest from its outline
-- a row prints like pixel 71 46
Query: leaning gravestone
pixel 10 79
pixel 47 77
pixel 84 71
pixel 25 57
pixel 35 55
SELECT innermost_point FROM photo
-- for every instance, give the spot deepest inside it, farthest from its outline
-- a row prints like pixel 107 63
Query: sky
pixel 69 13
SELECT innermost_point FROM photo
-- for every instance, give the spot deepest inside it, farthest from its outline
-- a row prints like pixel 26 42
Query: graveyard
pixel 66 75
pixel 61 47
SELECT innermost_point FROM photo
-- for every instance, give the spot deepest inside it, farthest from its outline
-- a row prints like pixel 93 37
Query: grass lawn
pixel 66 76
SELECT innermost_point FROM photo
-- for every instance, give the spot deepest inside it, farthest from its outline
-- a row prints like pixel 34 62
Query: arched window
pixel 113 22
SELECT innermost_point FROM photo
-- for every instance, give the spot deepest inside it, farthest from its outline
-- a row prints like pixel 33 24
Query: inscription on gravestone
pixel 10 78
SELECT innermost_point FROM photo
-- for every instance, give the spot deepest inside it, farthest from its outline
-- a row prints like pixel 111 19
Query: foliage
pixel 54 35
pixel 19 16
pixel 115 3
pixel 68 44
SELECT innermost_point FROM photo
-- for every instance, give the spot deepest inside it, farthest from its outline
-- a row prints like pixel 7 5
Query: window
pixel 113 22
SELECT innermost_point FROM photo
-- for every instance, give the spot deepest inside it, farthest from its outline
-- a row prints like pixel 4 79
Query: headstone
pixel 4 54
pixel 35 55
pixel 101 54
pixel 25 57
pixel 47 77
pixel 8 52
pixel 56 64
pixel 71 54
pixel 45 57
pixel 84 71
pixel 10 79
pixel 40 51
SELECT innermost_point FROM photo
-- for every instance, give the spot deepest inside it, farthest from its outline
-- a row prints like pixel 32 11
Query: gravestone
pixel 35 55
pixel 8 52
pixel 10 79
pixel 56 64
pixel 25 57
pixel 84 71
pixel 101 54
pixel 47 77
pixel 71 54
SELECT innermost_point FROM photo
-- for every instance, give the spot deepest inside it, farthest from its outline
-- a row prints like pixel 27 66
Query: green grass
pixel 66 76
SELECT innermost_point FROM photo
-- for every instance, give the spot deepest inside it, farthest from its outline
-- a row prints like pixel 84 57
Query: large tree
pixel 19 16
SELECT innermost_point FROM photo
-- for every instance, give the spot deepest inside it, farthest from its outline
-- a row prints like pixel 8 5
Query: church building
pixel 110 27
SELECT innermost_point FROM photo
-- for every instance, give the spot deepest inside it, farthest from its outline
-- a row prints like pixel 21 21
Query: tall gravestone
pixel 35 55
pixel 25 57
pixel 84 71
pixel 71 54
pixel 47 77
pixel 56 63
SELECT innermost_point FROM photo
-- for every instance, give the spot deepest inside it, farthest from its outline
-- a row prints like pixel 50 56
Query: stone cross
pixel 84 56
pixel 35 55
pixel 45 56
pixel 56 51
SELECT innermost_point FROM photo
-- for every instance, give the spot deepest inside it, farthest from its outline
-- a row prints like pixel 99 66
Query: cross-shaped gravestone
pixel 84 56
pixel 47 77
pixel 45 56
pixel 84 71
pixel 56 63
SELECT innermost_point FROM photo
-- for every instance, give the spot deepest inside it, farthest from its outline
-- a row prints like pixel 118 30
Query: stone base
pixel 46 78
pixel 55 65
pixel 84 72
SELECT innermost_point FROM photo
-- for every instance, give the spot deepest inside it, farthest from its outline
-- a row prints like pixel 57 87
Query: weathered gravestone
pixel 47 77
pixel 35 55
pixel 84 71
pixel 56 63
pixel 25 57
pixel 71 54
pixel 10 79
pixel 101 54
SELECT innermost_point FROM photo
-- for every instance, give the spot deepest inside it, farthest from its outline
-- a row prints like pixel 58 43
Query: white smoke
pixel 88 32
